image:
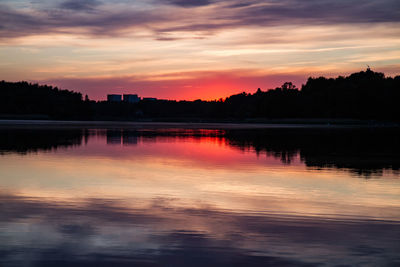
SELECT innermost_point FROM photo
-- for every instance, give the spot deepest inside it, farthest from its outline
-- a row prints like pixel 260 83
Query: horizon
pixel 123 92
pixel 187 50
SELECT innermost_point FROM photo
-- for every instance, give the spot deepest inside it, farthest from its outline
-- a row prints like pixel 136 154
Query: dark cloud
pixel 240 5
pixel 189 3
pixel 112 21
pixel 322 11
pixel 292 12
pixel 80 5
pixel 16 23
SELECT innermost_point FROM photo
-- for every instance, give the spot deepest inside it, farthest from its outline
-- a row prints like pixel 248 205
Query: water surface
pixel 196 197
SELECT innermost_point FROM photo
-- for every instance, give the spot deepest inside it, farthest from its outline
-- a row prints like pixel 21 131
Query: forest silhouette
pixel 366 95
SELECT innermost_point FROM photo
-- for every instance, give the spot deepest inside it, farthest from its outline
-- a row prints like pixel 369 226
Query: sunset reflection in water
pixel 181 196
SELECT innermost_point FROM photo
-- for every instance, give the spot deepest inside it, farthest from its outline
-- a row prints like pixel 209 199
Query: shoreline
pixel 273 124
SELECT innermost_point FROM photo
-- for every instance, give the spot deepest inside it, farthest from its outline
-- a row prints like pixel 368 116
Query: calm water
pixel 176 197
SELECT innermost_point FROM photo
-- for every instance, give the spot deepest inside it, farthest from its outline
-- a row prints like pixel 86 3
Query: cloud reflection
pixel 101 230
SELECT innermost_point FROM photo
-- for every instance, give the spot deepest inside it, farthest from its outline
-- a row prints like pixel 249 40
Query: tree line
pixel 29 100
pixel 366 95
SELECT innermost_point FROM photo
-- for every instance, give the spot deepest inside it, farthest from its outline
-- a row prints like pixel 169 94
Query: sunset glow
pixel 207 49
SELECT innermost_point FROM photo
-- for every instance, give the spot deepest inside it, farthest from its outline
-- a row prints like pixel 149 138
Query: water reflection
pixel 176 197
pixel 364 152
pixel 27 141
pixel 105 232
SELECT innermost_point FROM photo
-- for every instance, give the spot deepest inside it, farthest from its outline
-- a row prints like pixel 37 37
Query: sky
pixel 187 49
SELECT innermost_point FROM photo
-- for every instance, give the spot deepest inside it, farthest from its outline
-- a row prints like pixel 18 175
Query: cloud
pixel 119 17
pixel 80 5
pixel 322 11
pixel 16 23
pixel 189 3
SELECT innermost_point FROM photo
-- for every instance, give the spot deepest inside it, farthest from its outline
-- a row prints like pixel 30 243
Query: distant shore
pixel 276 123
pixel 362 98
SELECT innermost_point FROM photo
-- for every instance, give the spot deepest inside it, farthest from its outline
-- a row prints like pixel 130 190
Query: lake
pixel 171 195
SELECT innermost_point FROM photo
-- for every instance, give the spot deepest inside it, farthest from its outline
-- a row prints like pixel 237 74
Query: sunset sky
pixel 187 49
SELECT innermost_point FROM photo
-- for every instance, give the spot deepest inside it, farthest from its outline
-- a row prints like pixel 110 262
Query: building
pixel 114 98
pixel 149 98
pixel 131 98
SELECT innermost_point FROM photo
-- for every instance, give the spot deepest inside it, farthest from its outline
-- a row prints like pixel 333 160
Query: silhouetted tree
pixel 363 95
